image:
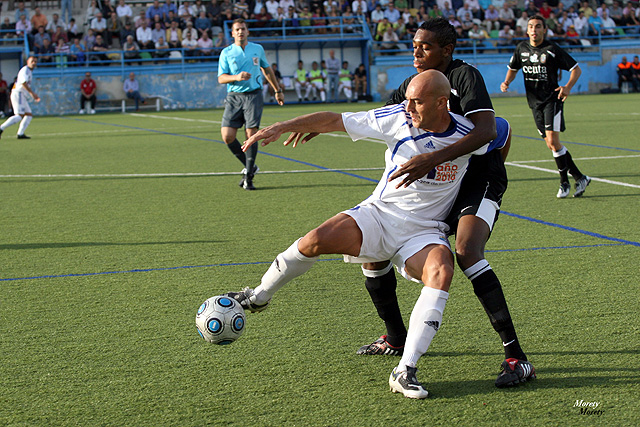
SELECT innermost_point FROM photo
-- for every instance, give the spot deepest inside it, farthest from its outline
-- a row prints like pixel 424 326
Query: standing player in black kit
pixel 476 208
pixel 540 61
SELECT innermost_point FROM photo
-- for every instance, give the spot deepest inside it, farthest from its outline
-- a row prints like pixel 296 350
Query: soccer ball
pixel 220 320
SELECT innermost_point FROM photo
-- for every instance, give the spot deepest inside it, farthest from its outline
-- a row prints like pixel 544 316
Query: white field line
pixel 179 174
pixel 519 162
pixel 555 172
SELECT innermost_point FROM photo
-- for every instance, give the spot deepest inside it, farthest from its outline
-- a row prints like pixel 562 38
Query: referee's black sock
pixel 488 290
pixel 236 149
pixel 573 169
pixel 251 154
pixel 382 290
pixel 561 160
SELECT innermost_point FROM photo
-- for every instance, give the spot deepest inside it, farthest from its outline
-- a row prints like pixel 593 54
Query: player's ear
pixel 447 50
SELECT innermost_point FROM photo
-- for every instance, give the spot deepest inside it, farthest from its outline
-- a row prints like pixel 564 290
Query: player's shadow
pixel 312 186
pixel 60 245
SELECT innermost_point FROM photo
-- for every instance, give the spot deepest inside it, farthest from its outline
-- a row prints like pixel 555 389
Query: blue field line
pixel 581 143
pixel 233 264
pixel 576 230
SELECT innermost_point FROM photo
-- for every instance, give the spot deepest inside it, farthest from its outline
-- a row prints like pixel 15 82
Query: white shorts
pixel 346 83
pixel 19 103
pixel 388 234
pixel 318 85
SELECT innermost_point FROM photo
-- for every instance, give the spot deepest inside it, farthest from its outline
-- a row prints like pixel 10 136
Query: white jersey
pixel 24 76
pixel 431 197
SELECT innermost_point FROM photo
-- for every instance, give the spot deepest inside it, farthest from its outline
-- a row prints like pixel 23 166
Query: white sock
pixel 11 121
pixel 323 96
pixel 347 92
pixel 425 321
pixel 24 124
pixel 560 152
pixel 287 266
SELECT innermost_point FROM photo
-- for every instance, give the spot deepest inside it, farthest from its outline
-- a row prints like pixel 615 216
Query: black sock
pixel 251 154
pixel 488 290
pixel 561 161
pixel 236 149
pixel 383 294
pixel 573 169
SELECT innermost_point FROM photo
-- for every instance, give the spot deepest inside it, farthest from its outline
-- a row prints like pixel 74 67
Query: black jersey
pixel 540 67
pixel 468 90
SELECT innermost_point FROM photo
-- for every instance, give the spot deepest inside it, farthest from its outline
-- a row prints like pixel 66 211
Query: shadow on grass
pixel 54 245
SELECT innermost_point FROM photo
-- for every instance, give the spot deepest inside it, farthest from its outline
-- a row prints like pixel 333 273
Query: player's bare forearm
pixel 230 78
pixel 418 166
pixel 564 91
pixel 321 122
pixel 511 75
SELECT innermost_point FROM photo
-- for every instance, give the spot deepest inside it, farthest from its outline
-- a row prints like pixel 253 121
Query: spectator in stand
pixel 491 18
pixel 131 89
pixel 602 8
pixel 532 9
pixel 162 50
pixel 190 45
pixel 241 9
pixel 141 18
pixel 554 25
pixel 435 12
pixel 145 37
pixel 126 32
pixel 586 8
pixel 264 21
pixel 377 14
pixel 157 32
pixel 518 35
pixel 319 23
pixel 447 11
pixel 89 40
pixel 360 82
pixel 629 21
pixel 124 12
pixel 608 25
pixel 7 26
pixel 220 42
pixel 545 10
pixel 305 19
pixel 100 48
pixel 523 21
pixel 173 36
pixel 99 25
pixel 88 89
pixel 463 43
pixel 334 22
pixel 360 5
pixel 595 25
pixel 131 50
pixel 572 36
pixel 109 9
pixel 45 52
pixel 153 10
pixel 213 12
pixel 168 7
pixel 390 39
pixel 72 30
pixel 113 28
pixel 272 7
pixel 171 17
pixel 506 16
pixel 185 12
pixel 92 12
pixel 59 35
pixel 40 36
pixel 21 11
pixel 479 35
pixel 38 20
pixel 202 24
pixel 505 37
pixel 411 28
pixel 77 51
pixel 62 50
pixel 54 23
pixel 205 44
pixel 463 12
pixel 393 15
pixel 467 22
pixel 198 7
pixel 565 22
pixel 582 25
pixel 190 30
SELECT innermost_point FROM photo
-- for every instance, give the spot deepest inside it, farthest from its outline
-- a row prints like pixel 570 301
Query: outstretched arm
pixel 324 121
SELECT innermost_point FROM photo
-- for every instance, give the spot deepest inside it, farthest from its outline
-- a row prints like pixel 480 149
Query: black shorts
pixel 243 108
pixel 481 191
pixel 549 116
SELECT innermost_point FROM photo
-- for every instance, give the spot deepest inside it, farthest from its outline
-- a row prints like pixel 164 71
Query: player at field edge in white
pixel 397 222
pixel 21 109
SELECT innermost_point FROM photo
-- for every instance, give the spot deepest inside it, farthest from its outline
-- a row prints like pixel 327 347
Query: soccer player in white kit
pixel 405 224
pixel 19 102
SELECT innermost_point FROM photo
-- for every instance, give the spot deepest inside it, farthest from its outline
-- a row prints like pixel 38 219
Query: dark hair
pixel 239 21
pixel 538 18
pixel 445 33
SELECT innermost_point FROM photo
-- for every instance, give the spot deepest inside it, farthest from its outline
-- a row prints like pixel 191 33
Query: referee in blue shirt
pixel 240 67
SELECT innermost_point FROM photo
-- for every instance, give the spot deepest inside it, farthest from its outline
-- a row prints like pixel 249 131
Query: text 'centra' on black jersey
pixel 540 67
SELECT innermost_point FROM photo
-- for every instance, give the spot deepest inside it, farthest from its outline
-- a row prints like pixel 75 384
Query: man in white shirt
pixel 99 25
pixel 124 11
pixel 396 222
pixel 144 37
pixel 19 95
pixel 360 5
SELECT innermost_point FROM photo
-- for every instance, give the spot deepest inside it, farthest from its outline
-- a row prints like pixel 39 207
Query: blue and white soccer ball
pixel 220 320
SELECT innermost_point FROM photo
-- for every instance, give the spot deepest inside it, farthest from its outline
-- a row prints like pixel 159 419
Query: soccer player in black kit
pixel 540 61
pixel 476 208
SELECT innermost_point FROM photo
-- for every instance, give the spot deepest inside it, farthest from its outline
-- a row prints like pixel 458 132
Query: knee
pixel 468 253
pixel 438 276
pixel 311 244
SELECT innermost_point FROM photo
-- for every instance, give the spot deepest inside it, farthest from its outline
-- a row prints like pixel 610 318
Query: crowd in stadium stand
pixel 196 27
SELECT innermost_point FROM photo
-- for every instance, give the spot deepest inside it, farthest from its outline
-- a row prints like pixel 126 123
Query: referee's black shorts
pixel 481 191
pixel 243 108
